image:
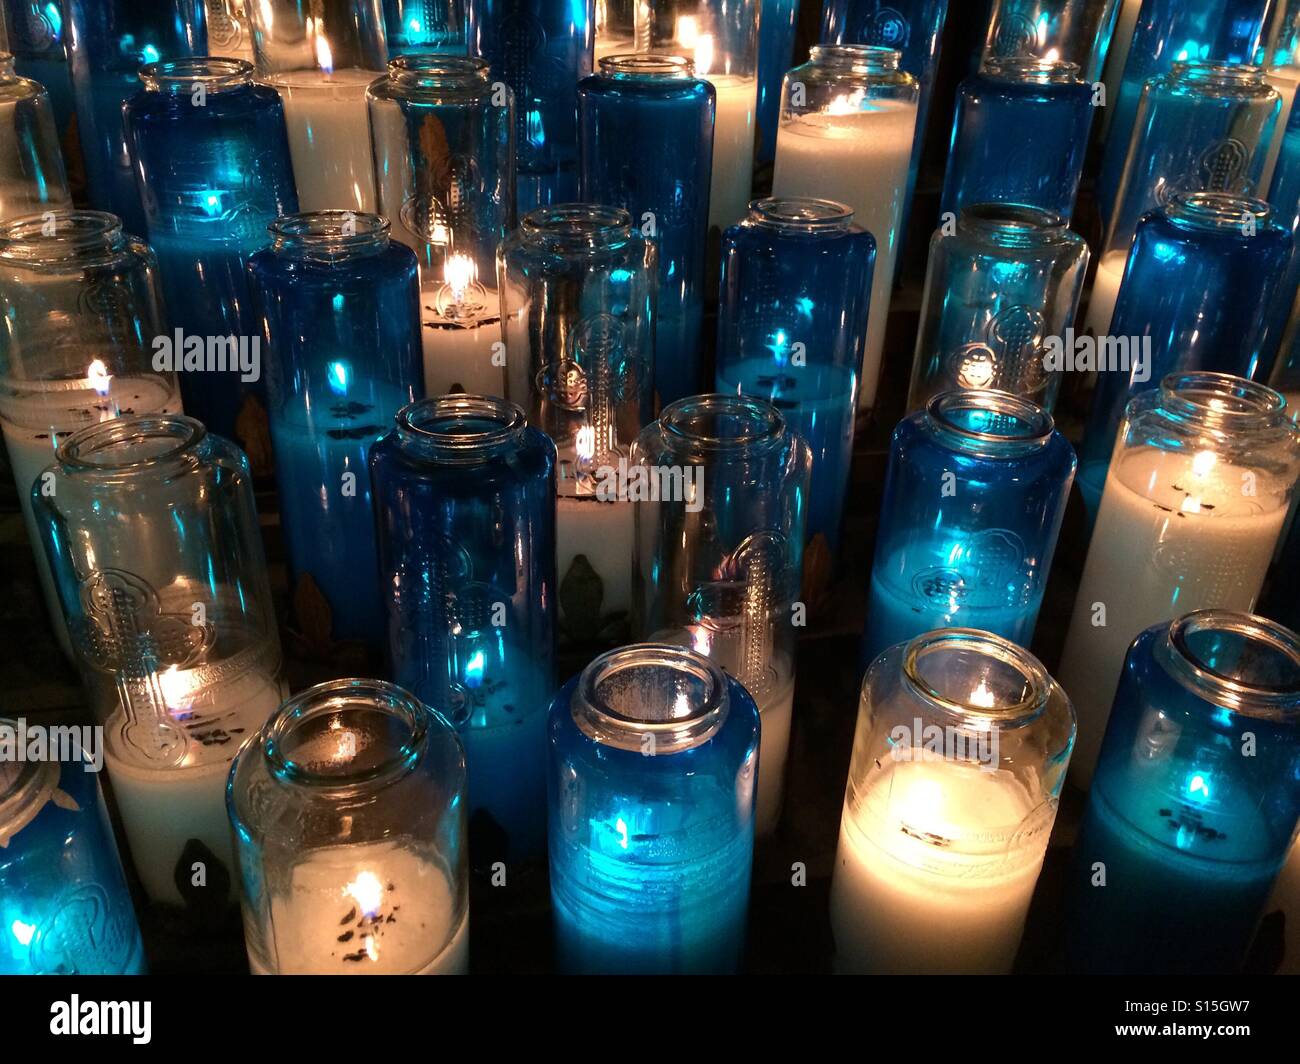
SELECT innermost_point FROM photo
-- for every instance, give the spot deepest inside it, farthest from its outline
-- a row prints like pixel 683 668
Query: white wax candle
pixel 733 148
pixel 602 533
pixel 1176 532
pixel 36 422
pixel 775 709
pixel 1105 292
pixel 329 137
pixel 458 342
pixel 377 908
pixel 1285 80
pixel 165 805
pixel 860 159
pixel 902 901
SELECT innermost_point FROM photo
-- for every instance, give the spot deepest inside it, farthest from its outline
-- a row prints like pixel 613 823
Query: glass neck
pixel 576 227
pixel 653 698
pixel 795 215
pixel 460 429
pixel 1236 661
pixel 856 58
pixel 133 444
pixel 1221 404
pixel 1011 225
pixel 438 73
pixel 722 425
pixel 1218 75
pixel 989 424
pixel 1217 212
pixel 179 77
pixel 329 236
pixel 980 678
pixel 1031 71
pixel 640 66
pixel 346 735
pixel 65 237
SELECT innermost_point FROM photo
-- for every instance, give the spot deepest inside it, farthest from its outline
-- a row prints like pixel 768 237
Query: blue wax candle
pixel 339 308
pixel 653 765
pixel 974 497
pixel 64 904
pixel 1019 136
pixel 634 101
pixel 1183 835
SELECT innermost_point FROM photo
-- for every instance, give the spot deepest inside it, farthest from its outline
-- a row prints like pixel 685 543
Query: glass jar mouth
pixel 180 75
pixel 461 427
pixel 800 214
pixel 430 70
pixel 75 232
pixel 990 419
pixel 576 226
pixel 1011 686
pixel 131 443
pixel 1015 224
pixel 1223 75
pixel 688 705
pixel 328 234
pixel 346 733
pixel 647 65
pixel 1264 678
pixel 1217 211
pixel 722 422
pixel 1032 70
pixel 859 58
pixel 1221 401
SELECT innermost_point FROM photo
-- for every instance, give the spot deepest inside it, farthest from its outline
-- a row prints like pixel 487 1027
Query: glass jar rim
pixel 800 213
pixel 1253 699
pixel 434 69
pixel 180 74
pixel 84 450
pixel 1032 70
pixel 326 233
pixel 679 727
pixel 333 697
pixel 1217 72
pixel 75 232
pixel 863 58
pixel 1220 400
pixel 1038 684
pixel 646 65
pixel 765 423
pixel 1033 426
pixel 1016 224
pixel 1216 210
pixel 444 425
pixel 576 226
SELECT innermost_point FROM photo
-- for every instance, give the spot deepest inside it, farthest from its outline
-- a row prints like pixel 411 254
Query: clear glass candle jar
pixel 796 277
pixel 79 310
pixel 633 101
pixel 653 759
pixel 1169 32
pixel 1185 831
pixel 31 167
pixel 1002 284
pixel 230 33
pixel 1019 136
pixel 540 49
pixel 974 497
pixel 37 37
pixel 212 157
pixel 108 42
pixel 720 37
pixel 348 809
pixel 338 303
pixel 1198 284
pixel 320 58
pixel 64 904
pixel 1203 127
pixel 578 299
pixel 1075 31
pixel 848 120
pixel 1195 500
pixel 418 27
pixel 444 150
pixel 958 762
pixel 721 514
pixel 465 505
pixel 152 535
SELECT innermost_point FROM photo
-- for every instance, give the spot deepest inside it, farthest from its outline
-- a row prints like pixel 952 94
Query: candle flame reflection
pixel 846 103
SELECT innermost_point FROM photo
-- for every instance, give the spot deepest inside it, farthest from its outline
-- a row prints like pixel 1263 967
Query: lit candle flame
pixel 99 377
pixel 459 273
pixel 1052 55
pixel 982 696
pixel 701 642
pixel 688 31
pixel 177 688
pixel 1202 465
pixel 367 891
pixel 704 54
pixel 324 57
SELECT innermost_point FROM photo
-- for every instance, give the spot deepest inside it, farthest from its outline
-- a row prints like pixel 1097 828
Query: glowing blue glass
pixel 1076 31
pixel 420 26
pixel 776 27
pixel 37 42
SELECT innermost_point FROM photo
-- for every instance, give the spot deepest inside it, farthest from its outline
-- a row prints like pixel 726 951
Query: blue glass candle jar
pixel 1019 136
pixel 1076 31
pixel 443 142
pixel 348 809
pixel 1284 194
pixel 653 766
pixel 64 904
pixel 1203 127
pixel 213 162
pixel 912 27
pixel 151 530
pixel 578 298
pixel 1197 289
pixel 465 504
pixel 796 283
pixel 32 179
pixel 1168 32
pixel 338 305
pixel 38 40
pixel 776 28
pixel 636 100
pixel 541 49
pixel 418 27
pixel 1185 831
pixel 721 516
pixel 1002 287
pixel 974 497
pixel 108 42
